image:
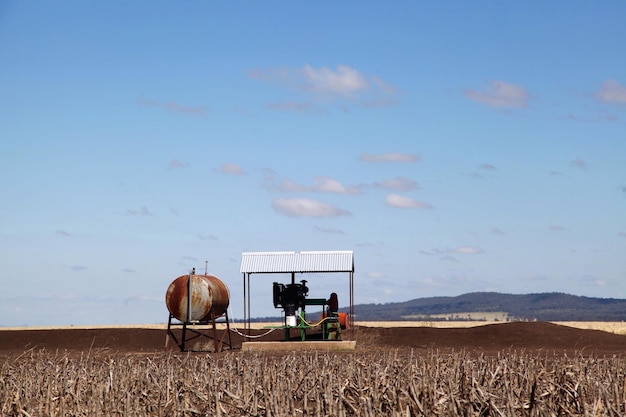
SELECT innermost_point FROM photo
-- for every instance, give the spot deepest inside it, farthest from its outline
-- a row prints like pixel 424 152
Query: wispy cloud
pixel 482 170
pixel 294 106
pixel 467 250
pixel 612 92
pixel 557 228
pixel 63 233
pixel 78 268
pixel 592 280
pixel 321 184
pixel 369 244
pixel 400 201
pixel 174 107
pixel 176 164
pixel 330 230
pixel 304 207
pixel 500 95
pixel 580 163
pixel 461 250
pixel 451 281
pixel 392 157
pixel 497 231
pixel 597 116
pixel 398 184
pixel 343 83
pixel 143 211
pixel 207 237
pixel 622 234
pixel 231 169
pixel 376 275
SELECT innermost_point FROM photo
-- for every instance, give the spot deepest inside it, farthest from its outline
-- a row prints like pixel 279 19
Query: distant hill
pixel 542 307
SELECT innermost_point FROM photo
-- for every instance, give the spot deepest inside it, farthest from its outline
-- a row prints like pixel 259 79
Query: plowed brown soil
pixel 488 339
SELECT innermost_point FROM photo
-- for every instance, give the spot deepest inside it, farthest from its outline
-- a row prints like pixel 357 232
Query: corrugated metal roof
pixel 310 261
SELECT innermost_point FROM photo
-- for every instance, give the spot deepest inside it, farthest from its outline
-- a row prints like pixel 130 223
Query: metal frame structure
pixel 295 263
pixel 189 332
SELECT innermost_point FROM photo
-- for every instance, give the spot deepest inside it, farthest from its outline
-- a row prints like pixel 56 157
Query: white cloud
pixel 343 83
pixel 434 282
pixel 390 157
pixel 612 91
pixel 592 280
pixel 397 183
pixel 329 185
pixel 467 250
pixel 298 207
pixel 321 184
pixel 500 95
pixel 232 169
pixel 399 201
pixel 175 163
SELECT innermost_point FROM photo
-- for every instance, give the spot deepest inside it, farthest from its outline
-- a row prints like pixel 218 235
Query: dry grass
pixel 313 384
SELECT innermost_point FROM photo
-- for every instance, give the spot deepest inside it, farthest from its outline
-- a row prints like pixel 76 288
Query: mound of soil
pixel 535 336
pixel 532 337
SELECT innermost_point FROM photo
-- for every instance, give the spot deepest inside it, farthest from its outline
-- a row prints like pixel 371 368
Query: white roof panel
pixel 309 261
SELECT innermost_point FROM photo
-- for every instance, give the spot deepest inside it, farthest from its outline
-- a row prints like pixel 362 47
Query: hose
pixel 316 324
pixel 234 329
pixel 251 336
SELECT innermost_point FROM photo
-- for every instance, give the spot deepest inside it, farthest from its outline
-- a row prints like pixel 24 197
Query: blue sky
pixel 453 146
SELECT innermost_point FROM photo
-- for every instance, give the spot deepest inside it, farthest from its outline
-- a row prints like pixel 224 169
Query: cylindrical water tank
pixel 209 298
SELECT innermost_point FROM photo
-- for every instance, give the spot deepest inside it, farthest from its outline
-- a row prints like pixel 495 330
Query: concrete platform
pixel 327 345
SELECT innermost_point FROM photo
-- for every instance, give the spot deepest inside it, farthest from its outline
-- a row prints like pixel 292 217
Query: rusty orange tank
pixel 209 298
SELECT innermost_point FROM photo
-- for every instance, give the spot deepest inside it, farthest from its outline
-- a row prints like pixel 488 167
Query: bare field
pixel 610 327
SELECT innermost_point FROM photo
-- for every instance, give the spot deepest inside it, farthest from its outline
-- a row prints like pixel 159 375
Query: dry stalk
pixel 102 383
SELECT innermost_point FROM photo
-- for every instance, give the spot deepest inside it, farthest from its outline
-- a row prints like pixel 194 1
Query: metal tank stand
pixel 184 332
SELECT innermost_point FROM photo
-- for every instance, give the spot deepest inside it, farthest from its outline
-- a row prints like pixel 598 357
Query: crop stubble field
pixel 507 369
